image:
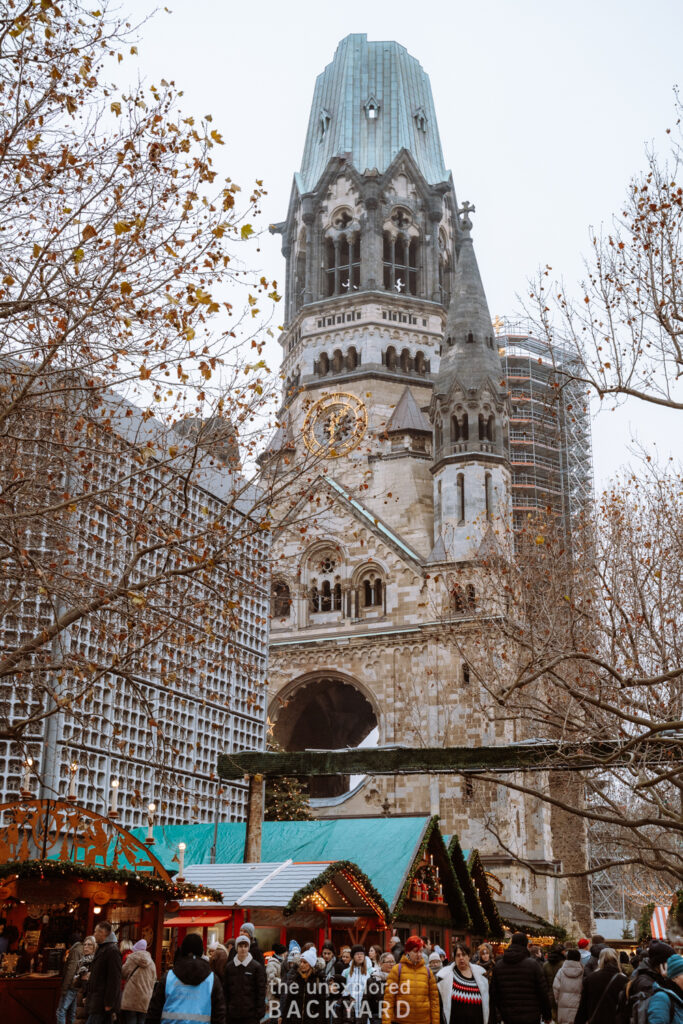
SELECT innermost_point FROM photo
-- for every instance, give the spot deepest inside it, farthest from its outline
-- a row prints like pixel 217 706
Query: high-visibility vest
pixel 187 1004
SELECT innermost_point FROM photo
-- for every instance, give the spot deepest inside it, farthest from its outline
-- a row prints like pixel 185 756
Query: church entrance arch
pixel 323 711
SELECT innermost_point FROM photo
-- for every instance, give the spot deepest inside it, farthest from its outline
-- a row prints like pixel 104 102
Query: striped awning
pixel 658 922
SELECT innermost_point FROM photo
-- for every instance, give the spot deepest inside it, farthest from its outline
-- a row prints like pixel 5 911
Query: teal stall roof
pixel 371 102
pixel 383 848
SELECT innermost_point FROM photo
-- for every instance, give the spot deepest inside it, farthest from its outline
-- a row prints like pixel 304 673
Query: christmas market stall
pixel 404 859
pixel 306 901
pixel 63 868
pixel 482 928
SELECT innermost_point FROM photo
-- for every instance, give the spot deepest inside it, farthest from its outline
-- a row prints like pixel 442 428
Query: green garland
pixel 326 876
pixel 152 884
pixel 477 872
pixel 480 924
pixel 643 925
pixel 453 893
pixel 544 928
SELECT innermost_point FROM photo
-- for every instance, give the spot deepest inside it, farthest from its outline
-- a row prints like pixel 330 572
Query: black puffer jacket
pixel 304 1002
pixel 104 984
pixel 591 965
pixel 600 993
pixel 518 990
pixel 244 989
pixel 191 971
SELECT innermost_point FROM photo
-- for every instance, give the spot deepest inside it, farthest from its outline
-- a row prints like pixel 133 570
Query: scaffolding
pixel 550 430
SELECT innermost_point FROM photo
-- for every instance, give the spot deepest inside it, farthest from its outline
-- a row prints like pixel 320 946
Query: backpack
pixel 639 1007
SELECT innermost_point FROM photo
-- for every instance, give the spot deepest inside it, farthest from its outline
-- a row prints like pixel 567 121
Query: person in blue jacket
pixel 666 1004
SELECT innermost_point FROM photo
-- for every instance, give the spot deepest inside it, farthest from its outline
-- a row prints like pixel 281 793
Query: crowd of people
pixel 415 983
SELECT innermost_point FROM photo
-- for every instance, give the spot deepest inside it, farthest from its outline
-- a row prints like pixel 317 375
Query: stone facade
pixel 376 599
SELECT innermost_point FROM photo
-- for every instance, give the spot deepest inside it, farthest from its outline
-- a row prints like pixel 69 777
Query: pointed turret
pixel 470 354
pixel 407 417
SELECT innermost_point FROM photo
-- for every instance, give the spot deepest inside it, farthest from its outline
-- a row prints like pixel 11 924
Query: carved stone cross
pixel 465 210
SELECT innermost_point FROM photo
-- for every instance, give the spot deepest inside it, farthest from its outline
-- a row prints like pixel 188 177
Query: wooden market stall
pixel 63 868
pixel 404 858
pixel 302 900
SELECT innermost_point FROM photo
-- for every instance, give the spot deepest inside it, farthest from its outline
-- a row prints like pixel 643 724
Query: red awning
pixel 190 917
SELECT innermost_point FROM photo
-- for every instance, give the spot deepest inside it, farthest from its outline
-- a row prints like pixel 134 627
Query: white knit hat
pixel 310 956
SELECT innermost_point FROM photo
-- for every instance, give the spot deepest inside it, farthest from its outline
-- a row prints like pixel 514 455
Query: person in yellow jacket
pixel 411 995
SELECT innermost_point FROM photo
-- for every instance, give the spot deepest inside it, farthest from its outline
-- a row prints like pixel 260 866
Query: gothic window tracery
pixel 325 590
pixel 280 600
pixel 342 254
pixel 400 253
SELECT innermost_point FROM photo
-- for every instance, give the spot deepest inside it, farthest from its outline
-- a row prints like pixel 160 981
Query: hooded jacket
pixel 567 988
pixel 193 971
pixel 139 975
pixel 104 984
pixel 665 1006
pixel 444 981
pixel 519 990
pixel 303 1001
pixel 411 995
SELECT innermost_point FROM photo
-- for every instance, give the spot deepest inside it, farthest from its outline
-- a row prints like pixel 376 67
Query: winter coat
pixel 244 988
pixel 444 980
pixel 567 988
pixel 139 976
pixel 374 992
pixel 665 1006
pixel 84 965
pixel 193 971
pixel 519 990
pixel 607 982
pixel 414 986
pixel 303 1001
pixel 104 985
pixel 550 969
pixel 591 964
pixel 273 976
pixel 354 991
pixel 72 960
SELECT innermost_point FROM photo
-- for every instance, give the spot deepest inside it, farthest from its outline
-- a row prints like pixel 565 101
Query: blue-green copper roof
pixel 383 848
pixel 383 74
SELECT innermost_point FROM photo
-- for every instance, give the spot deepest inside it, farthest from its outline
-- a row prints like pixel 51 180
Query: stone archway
pixel 320 711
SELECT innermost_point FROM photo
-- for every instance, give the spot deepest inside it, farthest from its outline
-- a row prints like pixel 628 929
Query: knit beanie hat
pixel 248 929
pixel 357 949
pixel 192 945
pixel 659 952
pixel 242 940
pixel 519 939
pixel 413 942
pixel 674 966
pixel 294 946
pixel 310 956
pixel 583 943
pixel 140 945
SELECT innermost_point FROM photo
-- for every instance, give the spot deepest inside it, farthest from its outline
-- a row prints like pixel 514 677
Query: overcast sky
pixel 544 111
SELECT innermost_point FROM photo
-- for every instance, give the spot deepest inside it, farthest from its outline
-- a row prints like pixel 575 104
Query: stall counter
pixel 30 998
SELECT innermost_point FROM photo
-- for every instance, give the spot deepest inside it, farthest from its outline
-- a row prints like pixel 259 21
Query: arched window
pixel 326 596
pixel 300 271
pixel 488 497
pixel 420 363
pixel 372 591
pixel 400 256
pixel 455 430
pixel 280 600
pixel 470 338
pixel 406 361
pixel 438 436
pixel 471 597
pixel 465 674
pixel 491 428
pixel 482 427
pixel 337 596
pixel 325 591
pixel 337 361
pixel 314 598
pixel 391 358
pixel 460 484
pixel 457 599
pixel 323 364
pixel 342 258
pixel 351 359
pixel 465 428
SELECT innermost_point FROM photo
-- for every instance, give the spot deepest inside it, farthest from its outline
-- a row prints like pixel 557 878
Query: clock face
pixel 335 425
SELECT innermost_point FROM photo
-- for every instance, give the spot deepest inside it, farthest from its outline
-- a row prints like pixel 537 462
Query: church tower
pixel 394 400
